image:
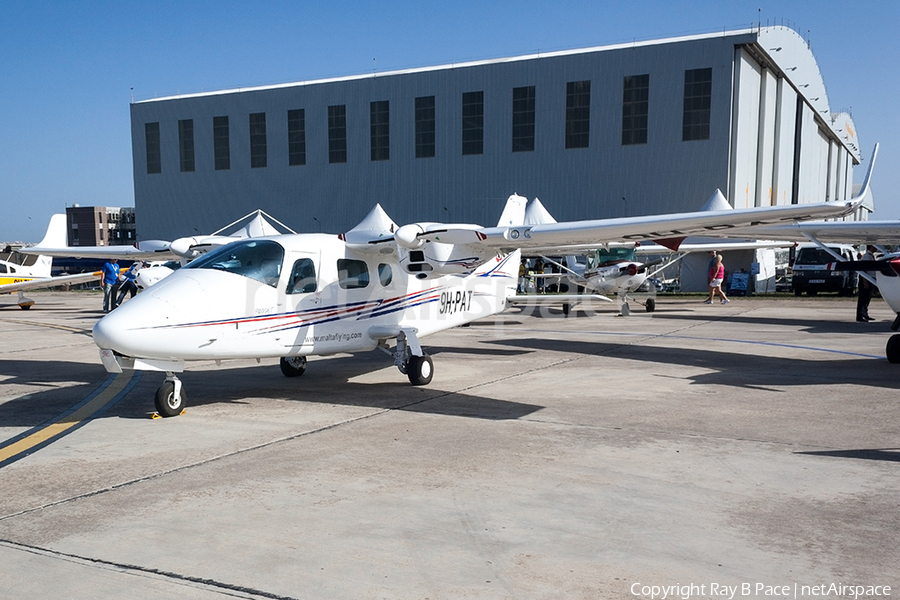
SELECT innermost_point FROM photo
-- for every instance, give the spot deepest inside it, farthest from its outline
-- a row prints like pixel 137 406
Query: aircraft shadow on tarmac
pixel 735 369
pixel 37 407
pixel 884 454
pixel 325 382
pixel 810 325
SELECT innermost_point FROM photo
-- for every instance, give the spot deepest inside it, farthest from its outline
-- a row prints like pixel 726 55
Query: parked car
pixel 813 270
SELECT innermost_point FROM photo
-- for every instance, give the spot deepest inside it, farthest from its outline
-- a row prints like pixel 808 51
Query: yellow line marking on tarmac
pixel 70 420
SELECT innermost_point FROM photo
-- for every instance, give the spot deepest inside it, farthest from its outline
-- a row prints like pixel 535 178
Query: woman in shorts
pixel 716 277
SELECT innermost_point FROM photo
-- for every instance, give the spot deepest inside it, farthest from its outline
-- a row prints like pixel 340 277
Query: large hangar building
pixel 622 130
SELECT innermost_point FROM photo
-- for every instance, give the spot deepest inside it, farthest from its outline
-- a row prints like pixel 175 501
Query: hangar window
pixel 337 134
pixel 578 114
pixel 635 102
pixel 296 137
pixel 523 119
pixel 258 140
pixel 473 123
pixel 352 274
pixel 221 145
pixel 151 140
pixel 697 102
pixel 425 127
pixel 380 129
pixel 186 144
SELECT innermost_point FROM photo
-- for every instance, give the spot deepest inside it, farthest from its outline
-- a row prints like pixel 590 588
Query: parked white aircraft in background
pixel 292 296
pixel 19 273
pixel 255 224
pixel 55 243
pixel 614 269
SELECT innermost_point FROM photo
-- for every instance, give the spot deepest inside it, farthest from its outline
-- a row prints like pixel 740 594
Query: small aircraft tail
pixel 56 233
pixel 514 212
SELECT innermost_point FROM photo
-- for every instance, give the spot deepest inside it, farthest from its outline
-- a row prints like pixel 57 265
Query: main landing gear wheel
pixel 419 369
pixel 168 403
pixel 292 366
pixel 892 351
pixel 650 305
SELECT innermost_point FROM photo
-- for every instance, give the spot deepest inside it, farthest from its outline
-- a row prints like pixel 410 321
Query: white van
pixel 813 270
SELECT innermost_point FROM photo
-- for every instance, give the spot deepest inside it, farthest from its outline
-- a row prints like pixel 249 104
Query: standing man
pixel 865 289
pixel 110 284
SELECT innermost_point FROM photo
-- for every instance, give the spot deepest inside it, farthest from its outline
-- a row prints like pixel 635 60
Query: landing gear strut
pixel 411 360
pixel 170 397
pixel 649 305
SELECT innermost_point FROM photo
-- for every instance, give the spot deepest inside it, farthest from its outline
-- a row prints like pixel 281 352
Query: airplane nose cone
pixel 142 326
pixel 104 334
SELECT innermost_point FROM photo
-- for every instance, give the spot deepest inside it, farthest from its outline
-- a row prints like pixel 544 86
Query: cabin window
pixel 385 275
pixel 257 259
pixel 303 277
pixel 352 274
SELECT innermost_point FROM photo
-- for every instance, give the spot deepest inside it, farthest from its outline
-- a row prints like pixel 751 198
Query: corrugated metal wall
pixel 752 154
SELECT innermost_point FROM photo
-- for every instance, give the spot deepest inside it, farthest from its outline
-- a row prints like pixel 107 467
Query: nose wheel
pixel 170 397
pixel 292 366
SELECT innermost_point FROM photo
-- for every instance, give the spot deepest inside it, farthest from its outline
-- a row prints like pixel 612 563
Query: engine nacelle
pixel 435 259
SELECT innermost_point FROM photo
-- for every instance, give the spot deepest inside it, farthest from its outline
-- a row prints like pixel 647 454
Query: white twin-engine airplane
pixel 376 286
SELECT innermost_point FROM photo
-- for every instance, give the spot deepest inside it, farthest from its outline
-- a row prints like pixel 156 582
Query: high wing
pixel 43 283
pixel 669 230
pixel 254 224
pixel 851 232
pixel 48 282
pixel 55 244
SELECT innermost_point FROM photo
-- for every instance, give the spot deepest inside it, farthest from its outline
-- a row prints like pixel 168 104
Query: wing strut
pixel 838 257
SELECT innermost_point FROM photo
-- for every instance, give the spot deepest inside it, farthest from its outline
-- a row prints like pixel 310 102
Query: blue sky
pixel 67 69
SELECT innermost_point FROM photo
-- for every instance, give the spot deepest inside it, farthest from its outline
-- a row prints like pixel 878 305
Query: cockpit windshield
pixel 606 256
pixel 257 259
